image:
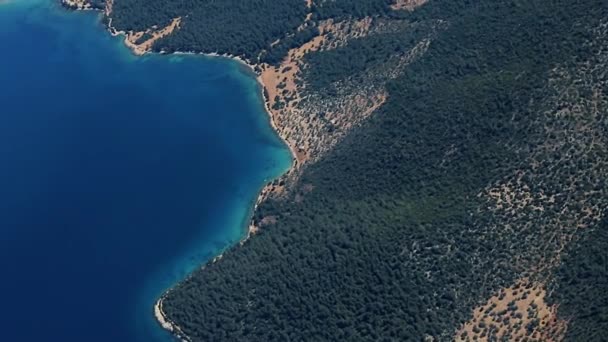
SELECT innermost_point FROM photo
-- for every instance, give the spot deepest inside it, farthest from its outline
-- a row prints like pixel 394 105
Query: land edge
pixel 263 193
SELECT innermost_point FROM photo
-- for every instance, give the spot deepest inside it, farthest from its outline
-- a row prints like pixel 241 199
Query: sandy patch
pixel 282 79
pixel 310 122
pixel 281 89
pixel 515 313
pixel 108 8
pixel 409 5
pixel 132 38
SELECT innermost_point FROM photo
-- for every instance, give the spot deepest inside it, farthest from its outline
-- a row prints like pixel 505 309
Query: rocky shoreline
pixel 166 323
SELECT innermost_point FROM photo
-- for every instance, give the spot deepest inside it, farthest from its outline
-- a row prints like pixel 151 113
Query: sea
pixel 119 175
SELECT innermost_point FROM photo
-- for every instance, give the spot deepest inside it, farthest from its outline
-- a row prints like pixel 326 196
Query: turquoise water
pixel 119 174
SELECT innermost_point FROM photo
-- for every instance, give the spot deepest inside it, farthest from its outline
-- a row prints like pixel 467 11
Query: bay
pixel 119 175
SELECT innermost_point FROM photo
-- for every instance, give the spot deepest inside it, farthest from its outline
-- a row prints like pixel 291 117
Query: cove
pixel 119 174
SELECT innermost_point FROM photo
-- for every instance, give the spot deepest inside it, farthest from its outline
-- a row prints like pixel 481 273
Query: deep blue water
pixel 118 174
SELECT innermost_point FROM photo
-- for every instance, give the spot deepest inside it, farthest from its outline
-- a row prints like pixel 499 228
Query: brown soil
pixel 285 92
pixel 156 34
pixel 513 314
pixel 280 82
pixel 108 8
pixel 409 5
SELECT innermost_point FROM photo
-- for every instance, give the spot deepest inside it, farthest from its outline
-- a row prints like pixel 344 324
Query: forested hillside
pixel 238 27
pixel 454 185
pixel 581 285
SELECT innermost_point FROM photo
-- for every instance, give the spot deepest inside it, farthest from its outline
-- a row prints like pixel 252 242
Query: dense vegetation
pixel 369 53
pixel 387 238
pixel 582 285
pixel 339 9
pixel 243 28
pixel 394 236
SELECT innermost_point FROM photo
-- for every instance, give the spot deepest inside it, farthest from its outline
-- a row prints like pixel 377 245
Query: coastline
pixel 167 324
pixel 263 193
pixel 263 87
pixel 138 51
pixel 250 229
pixel 266 190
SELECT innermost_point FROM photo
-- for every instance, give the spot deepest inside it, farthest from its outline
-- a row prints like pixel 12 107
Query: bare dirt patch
pixel 139 48
pixel 288 98
pixel 108 8
pixel 513 314
pixel 409 5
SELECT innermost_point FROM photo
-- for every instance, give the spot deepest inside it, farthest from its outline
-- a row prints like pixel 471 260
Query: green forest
pixel 582 284
pixel 242 28
pixel 394 235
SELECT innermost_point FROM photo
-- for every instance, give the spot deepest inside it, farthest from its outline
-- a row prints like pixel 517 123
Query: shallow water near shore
pixel 120 174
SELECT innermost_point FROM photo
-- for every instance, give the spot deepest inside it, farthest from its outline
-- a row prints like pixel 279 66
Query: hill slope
pixel 453 185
